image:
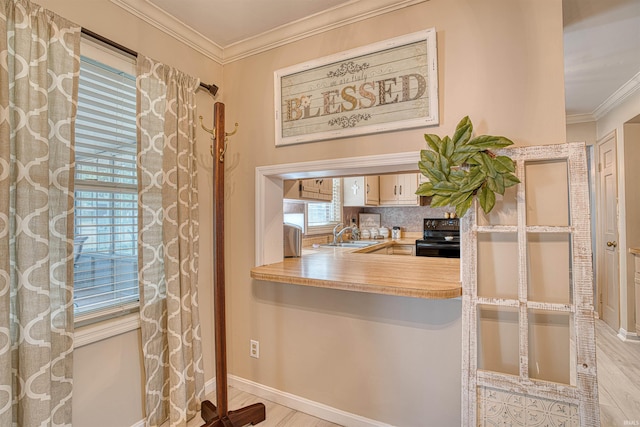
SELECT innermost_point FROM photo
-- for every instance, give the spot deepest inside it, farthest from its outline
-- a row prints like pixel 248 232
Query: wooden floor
pixel 618 386
pixel 277 415
pixel 618 378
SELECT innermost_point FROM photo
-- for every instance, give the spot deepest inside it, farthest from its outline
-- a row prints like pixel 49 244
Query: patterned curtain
pixel 168 243
pixel 39 69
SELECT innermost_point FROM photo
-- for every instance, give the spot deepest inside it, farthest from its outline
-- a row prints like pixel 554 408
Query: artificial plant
pixel 461 167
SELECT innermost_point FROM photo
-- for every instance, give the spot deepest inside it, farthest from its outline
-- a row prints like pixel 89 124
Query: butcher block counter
pixel 354 269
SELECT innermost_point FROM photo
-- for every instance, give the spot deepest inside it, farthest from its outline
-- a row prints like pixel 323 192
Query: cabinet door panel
pixel 372 190
pixel 388 189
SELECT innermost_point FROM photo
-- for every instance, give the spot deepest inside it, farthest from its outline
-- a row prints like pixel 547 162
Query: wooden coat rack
pixel 219 415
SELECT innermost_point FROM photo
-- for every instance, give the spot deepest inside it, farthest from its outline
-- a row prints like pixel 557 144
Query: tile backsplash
pixel 408 217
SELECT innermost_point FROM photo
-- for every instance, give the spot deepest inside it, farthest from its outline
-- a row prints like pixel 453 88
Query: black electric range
pixel 441 238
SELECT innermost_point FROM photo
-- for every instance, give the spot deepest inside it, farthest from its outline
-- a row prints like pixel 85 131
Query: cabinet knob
pixel 612 244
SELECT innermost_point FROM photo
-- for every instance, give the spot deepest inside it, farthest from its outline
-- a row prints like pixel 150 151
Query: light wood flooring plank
pixel 618 378
pixel 277 415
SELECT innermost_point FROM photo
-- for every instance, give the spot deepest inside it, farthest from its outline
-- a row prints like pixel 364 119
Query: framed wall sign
pixel 384 86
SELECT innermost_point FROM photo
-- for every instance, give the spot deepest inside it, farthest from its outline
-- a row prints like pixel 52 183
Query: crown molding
pixel 336 17
pixel 348 13
pixel 573 119
pixel 617 97
pixel 175 28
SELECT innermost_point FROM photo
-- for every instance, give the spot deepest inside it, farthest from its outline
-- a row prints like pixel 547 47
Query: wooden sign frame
pixel 380 87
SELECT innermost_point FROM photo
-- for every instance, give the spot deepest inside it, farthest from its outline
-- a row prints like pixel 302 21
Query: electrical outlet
pixel 254 349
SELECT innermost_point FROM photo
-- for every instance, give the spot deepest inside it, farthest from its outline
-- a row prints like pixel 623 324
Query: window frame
pixel 330 225
pixel 118 319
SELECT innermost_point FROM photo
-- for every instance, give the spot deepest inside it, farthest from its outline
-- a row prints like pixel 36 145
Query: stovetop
pixel 444 230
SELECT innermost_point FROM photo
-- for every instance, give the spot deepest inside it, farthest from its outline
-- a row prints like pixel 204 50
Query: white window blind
pixel 324 214
pixel 106 216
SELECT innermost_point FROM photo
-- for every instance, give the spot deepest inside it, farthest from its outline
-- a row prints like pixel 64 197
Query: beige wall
pixel 392 359
pixel 108 374
pixel 387 358
pixel 582 132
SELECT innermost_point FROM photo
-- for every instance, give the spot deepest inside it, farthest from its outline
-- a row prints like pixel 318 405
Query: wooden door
pixel 608 259
pixel 527 298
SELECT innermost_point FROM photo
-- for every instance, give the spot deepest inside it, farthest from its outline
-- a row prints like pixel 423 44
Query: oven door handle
pixel 439 245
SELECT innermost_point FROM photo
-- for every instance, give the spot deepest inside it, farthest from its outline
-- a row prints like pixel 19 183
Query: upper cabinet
pixel 309 189
pixel 361 191
pixel 399 190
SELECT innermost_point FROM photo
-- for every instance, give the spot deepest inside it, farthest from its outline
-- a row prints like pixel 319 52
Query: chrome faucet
pixel 338 234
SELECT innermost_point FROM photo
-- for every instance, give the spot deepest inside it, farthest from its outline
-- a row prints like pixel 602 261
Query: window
pixel 322 217
pixel 106 213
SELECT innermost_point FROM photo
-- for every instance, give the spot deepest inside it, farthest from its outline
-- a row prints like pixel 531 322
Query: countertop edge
pixel 448 293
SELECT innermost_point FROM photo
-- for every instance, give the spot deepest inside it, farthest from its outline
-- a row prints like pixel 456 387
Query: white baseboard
pixel 209 387
pixel 301 404
pixel 292 401
pixel 628 336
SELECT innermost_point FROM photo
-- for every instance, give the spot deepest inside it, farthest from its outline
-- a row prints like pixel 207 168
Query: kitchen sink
pixel 351 244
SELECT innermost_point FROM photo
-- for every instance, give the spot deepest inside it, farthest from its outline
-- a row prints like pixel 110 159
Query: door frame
pixel 600 255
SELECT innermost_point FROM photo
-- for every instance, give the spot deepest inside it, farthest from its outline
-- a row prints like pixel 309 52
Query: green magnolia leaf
pixel 430 171
pixel 460 197
pixel 444 187
pixel 433 141
pixel 496 184
pixel 425 189
pixel 471 161
pixel 427 155
pixel 447 147
pixel 504 164
pixel 510 180
pixel 458 178
pixel 462 167
pixel 489 142
pixel 463 207
pixel 487 199
pixel 459 158
pixel 426 164
pixel 474 180
pixel 463 132
pixel 469 149
pixel 439 201
pixel 444 165
pixel 486 163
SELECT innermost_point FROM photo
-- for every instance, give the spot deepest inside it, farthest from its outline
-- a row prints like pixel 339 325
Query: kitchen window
pixel 106 213
pixel 321 217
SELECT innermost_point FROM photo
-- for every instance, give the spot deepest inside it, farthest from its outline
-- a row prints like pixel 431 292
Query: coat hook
pixel 232 133
pixel 213 137
pixel 212 132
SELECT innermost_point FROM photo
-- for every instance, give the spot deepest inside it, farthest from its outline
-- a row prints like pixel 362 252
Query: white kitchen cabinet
pixel 361 191
pixel 309 189
pixel 399 190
